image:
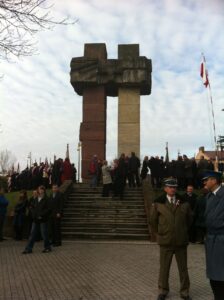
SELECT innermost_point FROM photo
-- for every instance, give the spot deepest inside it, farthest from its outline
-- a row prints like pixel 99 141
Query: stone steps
pixel 105 236
pixel 88 215
pixel 103 223
pixel 108 229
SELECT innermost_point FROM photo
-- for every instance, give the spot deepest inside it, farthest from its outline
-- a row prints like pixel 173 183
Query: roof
pixel 212 154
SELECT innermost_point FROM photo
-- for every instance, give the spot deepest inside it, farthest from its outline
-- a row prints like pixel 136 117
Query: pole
pixel 213 115
pixel 167 153
pixel 78 149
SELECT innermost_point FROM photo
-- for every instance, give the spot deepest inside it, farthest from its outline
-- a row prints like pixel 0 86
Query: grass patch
pixel 13 197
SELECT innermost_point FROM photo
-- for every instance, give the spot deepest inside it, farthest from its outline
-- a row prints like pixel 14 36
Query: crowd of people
pixel 185 170
pixel 40 216
pixel 43 173
pixel 124 170
pixel 129 171
pixel 175 218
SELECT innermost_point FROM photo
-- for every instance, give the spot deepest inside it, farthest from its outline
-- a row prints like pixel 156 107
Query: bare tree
pixel 20 20
pixel 7 160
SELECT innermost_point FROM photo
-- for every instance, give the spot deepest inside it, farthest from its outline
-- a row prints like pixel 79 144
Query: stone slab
pixel 128 50
pixel 92 131
pixel 129 70
pixel 87 270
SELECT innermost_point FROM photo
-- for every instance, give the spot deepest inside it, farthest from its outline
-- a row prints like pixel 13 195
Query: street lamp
pixel 79 149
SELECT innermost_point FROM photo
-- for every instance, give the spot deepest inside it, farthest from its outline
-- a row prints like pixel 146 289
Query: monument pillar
pixel 128 121
pixel 93 127
pixel 94 77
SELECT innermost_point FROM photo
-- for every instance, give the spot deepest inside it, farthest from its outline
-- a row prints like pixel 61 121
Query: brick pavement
pixel 82 270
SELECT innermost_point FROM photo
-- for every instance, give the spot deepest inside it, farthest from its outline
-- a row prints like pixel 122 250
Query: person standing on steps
pixel 107 180
pixel 170 218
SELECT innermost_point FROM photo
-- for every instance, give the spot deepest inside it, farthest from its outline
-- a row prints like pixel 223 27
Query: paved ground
pixel 93 271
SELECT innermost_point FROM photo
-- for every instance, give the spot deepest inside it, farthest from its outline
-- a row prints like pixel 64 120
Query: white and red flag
pixel 204 73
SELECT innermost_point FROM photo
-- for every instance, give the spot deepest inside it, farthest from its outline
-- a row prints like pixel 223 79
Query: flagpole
pixel 167 153
pixel 207 83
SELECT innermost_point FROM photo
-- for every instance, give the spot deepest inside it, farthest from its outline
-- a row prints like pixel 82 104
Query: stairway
pixel 87 215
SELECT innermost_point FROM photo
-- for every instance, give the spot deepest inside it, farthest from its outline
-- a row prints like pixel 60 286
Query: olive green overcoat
pixel 171 222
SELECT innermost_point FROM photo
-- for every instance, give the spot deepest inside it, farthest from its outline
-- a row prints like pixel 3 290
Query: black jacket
pixel 41 210
pixel 191 200
pixel 57 203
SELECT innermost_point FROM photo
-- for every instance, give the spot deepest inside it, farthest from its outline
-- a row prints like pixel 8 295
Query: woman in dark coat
pixel 120 177
pixel 19 215
pixel 66 170
pixel 199 216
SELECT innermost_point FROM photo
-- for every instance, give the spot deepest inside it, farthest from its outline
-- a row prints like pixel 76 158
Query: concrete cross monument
pixel 95 77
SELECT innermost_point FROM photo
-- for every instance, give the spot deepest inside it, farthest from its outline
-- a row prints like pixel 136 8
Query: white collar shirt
pixel 216 190
pixel 169 199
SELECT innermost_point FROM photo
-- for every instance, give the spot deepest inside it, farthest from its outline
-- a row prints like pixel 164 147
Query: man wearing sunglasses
pixel 170 218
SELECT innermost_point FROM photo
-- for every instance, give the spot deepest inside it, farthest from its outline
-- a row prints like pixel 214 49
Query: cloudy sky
pixel 40 112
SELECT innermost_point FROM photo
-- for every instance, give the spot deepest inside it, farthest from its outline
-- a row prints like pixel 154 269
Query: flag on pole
pixel 204 72
pixel 204 75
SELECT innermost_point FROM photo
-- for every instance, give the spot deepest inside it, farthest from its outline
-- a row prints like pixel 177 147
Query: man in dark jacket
pixel 133 168
pixel 56 215
pixel 214 221
pixel 41 213
pixel 191 198
pixel 170 218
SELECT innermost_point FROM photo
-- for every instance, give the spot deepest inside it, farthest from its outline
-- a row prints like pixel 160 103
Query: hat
pixel 172 182
pixel 207 174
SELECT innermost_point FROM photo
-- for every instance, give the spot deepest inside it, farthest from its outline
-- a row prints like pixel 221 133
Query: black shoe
pixel 186 297
pixel 47 250
pixel 56 244
pixel 27 251
pixel 161 297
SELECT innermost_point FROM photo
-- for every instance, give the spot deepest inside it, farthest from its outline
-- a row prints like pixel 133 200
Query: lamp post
pixel 30 158
pixel 79 156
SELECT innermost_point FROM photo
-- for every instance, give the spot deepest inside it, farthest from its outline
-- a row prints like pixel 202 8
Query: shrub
pixel 3 182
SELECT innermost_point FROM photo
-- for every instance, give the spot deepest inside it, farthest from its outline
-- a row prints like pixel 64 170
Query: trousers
pixel 166 255
pixel 218 289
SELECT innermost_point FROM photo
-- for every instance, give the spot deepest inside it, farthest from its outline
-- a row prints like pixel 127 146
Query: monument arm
pixel 111 73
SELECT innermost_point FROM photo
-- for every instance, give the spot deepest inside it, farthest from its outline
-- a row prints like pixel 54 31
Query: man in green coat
pixel 170 218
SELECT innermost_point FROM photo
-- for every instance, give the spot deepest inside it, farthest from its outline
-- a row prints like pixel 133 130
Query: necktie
pixel 171 200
